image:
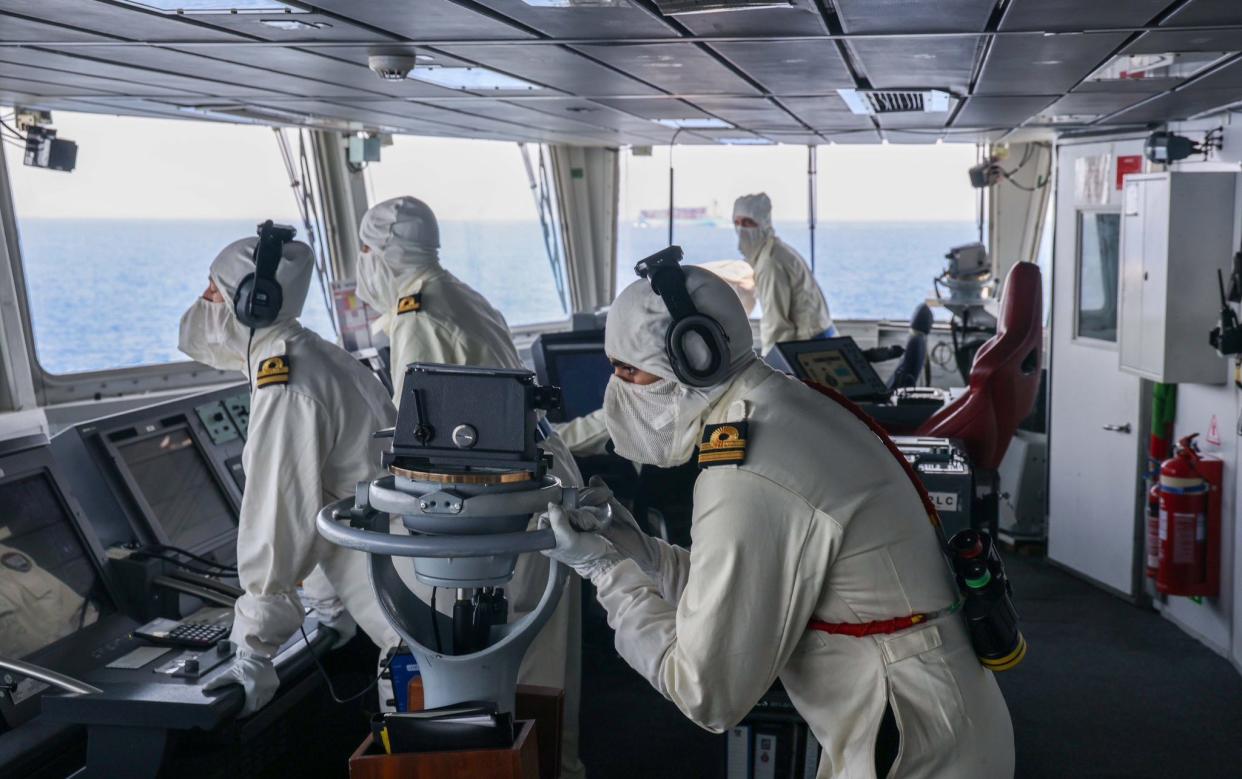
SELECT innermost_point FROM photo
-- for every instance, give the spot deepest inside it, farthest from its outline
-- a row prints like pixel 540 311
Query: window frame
pixel 59 388
pixel 1080 215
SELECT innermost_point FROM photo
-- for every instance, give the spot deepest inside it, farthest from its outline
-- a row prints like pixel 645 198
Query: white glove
pixel 588 553
pixel 255 674
pixel 624 532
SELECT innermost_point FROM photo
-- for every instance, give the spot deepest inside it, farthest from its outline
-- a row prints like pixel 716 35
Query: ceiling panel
pixel 677 68
pixel 105 19
pixel 826 113
pixel 752 113
pixel 1039 65
pixel 912 136
pixel 186 64
pixel 594 113
pixel 122 76
pixel 920 15
pixel 922 121
pixel 9 70
pixel 801 18
pixel 28 86
pixel 552 66
pixel 795 139
pixel 344 67
pixel 655 108
pixel 431 20
pixel 944 63
pixel 17 30
pixel 1079 14
pixel 1135 85
pixel 1207 12
pixel 328 28
pixel 1203 40
pixel 623 21
pixel 791 67
pixel 852 136
pixel 985 111
pixel 1226 76
pixel 1177 105
pixel 1095 103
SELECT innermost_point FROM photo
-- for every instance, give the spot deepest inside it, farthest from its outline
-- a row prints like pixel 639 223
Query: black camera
pixel 457 417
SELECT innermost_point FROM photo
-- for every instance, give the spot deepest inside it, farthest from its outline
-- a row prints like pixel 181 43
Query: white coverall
pixel 36 608
pixel 455 325
pixel 794 308
pixel 819 521
pixel 309 444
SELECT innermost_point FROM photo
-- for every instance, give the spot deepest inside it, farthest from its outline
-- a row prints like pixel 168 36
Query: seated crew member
pixel 800 513
pixel 36 608
pixel 794 308
pixel 313 409
pixel 431 316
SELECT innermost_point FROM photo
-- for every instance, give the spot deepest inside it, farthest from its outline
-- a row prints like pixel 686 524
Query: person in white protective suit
pixel 431 316
pixel 312 412
pixel 794 308
pixel 800 513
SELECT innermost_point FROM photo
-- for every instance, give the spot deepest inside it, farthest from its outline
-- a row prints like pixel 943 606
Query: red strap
pixel 857 629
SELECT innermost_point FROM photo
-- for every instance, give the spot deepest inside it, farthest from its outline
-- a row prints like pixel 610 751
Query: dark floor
pixel 1108 691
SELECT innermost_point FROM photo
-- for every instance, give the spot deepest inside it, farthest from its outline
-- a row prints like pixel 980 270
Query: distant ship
pixel 693 215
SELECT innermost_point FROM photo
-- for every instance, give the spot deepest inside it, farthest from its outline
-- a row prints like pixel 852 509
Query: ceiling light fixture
pixel 745 140
pixel 576 3
pixel 191 7
pixel 1173 64
pixel 687 7
pixel 471 79
pixel 293 25
pixel 695 123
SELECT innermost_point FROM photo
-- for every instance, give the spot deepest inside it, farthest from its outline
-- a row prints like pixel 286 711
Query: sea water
pixel 110 293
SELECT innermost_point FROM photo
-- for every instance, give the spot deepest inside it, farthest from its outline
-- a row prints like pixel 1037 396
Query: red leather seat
pixel 1004 377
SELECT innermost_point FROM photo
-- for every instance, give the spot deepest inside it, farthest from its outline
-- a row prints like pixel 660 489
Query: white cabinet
pixel 1176 231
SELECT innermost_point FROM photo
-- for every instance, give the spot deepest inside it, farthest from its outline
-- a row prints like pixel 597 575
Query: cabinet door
pixel 1155 205
pixel 1132 228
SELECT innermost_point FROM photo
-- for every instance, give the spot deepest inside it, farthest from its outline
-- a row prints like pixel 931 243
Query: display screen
pixel 582 377
pixel 830 368
pixel 177 483
pixel 49 585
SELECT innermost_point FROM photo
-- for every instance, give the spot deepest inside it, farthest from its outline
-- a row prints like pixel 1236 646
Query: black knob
pixel 190 666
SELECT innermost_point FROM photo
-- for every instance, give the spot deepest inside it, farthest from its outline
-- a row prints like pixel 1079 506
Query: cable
pixel 249 343
pixel 328 680
pixel 6 126
pixel 179 563
pixel 435 620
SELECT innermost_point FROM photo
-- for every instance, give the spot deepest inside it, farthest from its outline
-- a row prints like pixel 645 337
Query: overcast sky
pixel 149 168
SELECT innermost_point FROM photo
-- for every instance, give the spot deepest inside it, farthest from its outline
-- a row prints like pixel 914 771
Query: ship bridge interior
pixel 1067 393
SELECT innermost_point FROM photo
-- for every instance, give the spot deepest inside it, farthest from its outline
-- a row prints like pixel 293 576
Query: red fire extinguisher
pixel 1189 522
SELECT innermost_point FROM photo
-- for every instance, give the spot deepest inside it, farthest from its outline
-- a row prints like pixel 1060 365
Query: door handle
pixel 1118 428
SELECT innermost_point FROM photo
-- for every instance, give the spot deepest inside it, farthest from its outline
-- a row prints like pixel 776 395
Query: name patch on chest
pixel 723 444
pixel 273 370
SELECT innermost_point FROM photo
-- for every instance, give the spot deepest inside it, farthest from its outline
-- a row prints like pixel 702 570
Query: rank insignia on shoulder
pixel 410 303
pixel 723 444
pixel 273 370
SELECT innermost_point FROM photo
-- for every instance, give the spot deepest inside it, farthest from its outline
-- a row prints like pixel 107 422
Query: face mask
pixel 656 424
pixel 750 240
pixel 213 336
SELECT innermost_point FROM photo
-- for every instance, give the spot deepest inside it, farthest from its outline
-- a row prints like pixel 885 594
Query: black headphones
pixel 259 295
pixel 668 280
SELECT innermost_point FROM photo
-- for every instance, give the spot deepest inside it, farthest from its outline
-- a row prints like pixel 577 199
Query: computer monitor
pixel 834 362
pixel 575 362
pixel 50 581
pixel 174 486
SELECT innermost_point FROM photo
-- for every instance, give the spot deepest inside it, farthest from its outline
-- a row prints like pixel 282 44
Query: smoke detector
pixel 391 64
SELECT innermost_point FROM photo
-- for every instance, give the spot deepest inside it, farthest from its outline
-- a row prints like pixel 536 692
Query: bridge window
pixel 491 236
pixel 886 214
pixel 115 251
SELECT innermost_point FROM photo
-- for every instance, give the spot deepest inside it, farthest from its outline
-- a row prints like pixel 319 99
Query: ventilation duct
pixel 897 101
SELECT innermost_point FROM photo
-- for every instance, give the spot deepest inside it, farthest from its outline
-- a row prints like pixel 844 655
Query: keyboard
pixel 170 632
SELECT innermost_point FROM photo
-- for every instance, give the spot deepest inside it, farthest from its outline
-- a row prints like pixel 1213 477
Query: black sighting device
pixel 464 418
pixel 1226 337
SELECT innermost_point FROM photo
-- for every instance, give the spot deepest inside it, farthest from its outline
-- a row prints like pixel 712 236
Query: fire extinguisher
pixel 1187 481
